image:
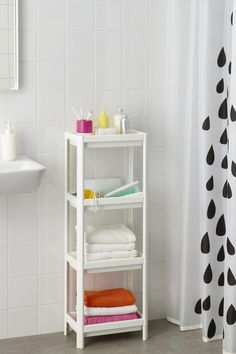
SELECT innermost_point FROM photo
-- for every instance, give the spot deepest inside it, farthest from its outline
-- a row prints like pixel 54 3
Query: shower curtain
pixel 201 168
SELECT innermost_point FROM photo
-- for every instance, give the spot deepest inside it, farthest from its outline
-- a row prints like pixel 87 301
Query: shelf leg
pixel 79 341
pixel 66 328
pixel 145 332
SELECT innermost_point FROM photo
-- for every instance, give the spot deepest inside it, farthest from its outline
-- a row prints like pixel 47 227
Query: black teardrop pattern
pixel 208 274
pixel 227 191
pixel 231 278
pixel 223 110
pixel 221 280
pixel 232 19
pixel 206 305
pixel 211 329
pixel 198 307
pixel 210 156
pixel 231 315
pixel 206 124
pixel 220 227
pixel 224 137
pixel 211 210
pixel 221 308
pixel 230 248
pixel 233 168
pixel 220 86
pixel 221 254
pixel 232 114
pixel 210 184
pixel 205 244
pixel 224 163
pixel 221 58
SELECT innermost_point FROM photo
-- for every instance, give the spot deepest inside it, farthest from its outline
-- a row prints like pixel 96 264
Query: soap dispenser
pixel 117 120
pixel 8 143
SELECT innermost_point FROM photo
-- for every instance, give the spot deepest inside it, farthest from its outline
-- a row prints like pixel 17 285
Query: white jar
pixel 117 120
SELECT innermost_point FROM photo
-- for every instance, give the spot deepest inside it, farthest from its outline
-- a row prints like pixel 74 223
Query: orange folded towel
pixel 109 298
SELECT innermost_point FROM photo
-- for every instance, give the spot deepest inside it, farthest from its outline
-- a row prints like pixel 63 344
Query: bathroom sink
pixel 20 176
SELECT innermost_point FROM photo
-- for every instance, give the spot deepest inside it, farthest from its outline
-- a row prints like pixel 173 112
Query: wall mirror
pixel 8 44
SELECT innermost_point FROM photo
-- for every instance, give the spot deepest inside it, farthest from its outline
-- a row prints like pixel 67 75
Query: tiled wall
pixel 99 53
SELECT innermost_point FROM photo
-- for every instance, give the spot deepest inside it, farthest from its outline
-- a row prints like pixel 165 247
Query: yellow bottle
pixel 103 120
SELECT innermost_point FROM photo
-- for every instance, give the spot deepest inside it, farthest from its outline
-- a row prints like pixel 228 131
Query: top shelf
pixel 134 138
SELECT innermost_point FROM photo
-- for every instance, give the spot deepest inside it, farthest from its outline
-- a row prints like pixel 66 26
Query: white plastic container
pixel 117 120
pixel 8 144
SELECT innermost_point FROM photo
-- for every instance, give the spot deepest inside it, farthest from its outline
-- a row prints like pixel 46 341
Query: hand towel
pixel 109 255
pixel 108 247
pixel 109 311
pixel 104 319
pixel 109 298
pixel 118 233
pixel 90 320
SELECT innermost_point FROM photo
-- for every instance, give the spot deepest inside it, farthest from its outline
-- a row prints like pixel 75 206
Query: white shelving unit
pixel 74 250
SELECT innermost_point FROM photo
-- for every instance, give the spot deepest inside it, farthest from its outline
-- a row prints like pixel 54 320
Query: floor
pixel 165 338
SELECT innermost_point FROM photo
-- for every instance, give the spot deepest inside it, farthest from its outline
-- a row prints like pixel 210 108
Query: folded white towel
pixel 108 247
pixel 109 311
pixel 109 255
pixel 117 233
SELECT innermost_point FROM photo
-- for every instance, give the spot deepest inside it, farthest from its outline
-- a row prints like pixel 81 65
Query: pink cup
pixel 84 126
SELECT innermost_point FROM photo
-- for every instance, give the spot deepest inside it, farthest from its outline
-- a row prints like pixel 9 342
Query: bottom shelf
pixel 108 327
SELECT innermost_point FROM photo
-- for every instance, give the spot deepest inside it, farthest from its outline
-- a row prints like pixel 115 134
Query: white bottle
pixel 117 120
pixel 8 144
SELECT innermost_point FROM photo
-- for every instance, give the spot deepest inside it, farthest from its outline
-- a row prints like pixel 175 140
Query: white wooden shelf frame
pixel 75 260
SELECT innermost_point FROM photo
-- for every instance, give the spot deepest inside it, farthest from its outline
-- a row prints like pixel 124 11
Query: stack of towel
pixel 108 306
pixel 108 242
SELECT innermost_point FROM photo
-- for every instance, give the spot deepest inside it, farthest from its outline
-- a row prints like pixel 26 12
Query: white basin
pixel 20 176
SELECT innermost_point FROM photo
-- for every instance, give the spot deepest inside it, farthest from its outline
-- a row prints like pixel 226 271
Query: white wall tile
pixel 22 261
pixel 55 166
pixel 23 322
pixel 50 228
pixel 51 107
pixel 3 294
pixel 51 46
pixel 157 74
pixel 26 138
pixel 135 14
pixel 50 258
pixel 135 103
pixel 108 14
pixel 50 318
pixel 21 107
pixel 3 262
pixel 51 14
pixel 3 324
pixel 157 103
pixel 135 45
pixel 27 78
pixel 108 45
pixel 51 76
pixel 79 75
pixel 79 45
pixel 109 100
pixel 108 75
pixel 27 45
pixel 22 292
pixel 157 14
pixel 50 289
pixel 157 45
pixel 22 230
pixel 51 197
pixel 135 75
pixel 80 14
pixel 50 137
pixel 21 204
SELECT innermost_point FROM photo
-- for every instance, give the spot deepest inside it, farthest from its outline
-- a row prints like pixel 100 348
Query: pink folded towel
pixel 89 320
